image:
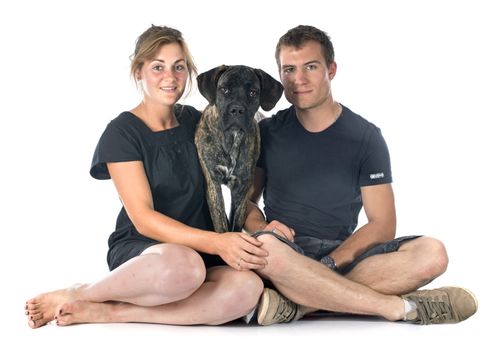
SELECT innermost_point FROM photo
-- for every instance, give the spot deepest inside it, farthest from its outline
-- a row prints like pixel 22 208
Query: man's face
pixel 305 75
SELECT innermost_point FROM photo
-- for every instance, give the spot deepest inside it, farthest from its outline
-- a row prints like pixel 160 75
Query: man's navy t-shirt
pixel 313 180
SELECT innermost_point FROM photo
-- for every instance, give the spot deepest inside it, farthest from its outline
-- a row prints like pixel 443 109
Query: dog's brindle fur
pixel 228 138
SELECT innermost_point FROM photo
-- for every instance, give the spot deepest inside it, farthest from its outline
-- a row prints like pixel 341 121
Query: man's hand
pixel 282 230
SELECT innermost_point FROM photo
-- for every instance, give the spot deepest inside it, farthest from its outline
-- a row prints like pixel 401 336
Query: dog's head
pixel 238 92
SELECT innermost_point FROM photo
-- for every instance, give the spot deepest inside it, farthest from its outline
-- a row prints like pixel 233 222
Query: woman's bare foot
pixel 42 309
pixel 80 311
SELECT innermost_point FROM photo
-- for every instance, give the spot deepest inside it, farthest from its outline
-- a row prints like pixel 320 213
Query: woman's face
pixel 163 78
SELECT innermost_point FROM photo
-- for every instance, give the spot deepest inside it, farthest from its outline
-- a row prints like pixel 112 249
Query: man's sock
pixel 408 306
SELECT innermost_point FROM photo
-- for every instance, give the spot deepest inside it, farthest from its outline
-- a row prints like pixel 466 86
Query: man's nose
pixel 300 77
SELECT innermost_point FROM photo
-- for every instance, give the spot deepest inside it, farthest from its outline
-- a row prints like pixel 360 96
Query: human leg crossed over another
pixel 166 283
pixel 371 285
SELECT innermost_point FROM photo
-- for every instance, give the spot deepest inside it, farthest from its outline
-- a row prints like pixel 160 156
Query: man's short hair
pixel 300 35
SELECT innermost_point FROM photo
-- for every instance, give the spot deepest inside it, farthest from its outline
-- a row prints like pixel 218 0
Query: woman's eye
pixel 158 68
pixel 180 68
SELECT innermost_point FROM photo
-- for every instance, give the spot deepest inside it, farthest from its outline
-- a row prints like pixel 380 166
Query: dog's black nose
pixel 236 110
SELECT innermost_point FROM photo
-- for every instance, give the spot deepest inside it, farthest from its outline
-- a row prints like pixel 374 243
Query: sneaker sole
pixel 263 307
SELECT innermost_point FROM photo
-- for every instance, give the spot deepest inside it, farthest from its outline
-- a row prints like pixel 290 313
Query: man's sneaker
pixel 275 308
pixel 442 305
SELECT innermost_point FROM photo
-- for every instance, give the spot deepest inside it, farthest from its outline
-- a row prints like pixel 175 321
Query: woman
pixel 166 265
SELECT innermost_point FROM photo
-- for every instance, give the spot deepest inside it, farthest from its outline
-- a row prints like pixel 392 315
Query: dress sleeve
pixel 115 145
pixel 375 166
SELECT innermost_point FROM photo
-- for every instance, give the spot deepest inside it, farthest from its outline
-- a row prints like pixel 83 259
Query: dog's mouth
pixel 234 129
pixel 233 124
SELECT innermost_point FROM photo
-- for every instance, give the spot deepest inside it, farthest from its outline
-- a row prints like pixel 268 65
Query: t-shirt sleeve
pixel 375 165
pixel 260 163
pixel 190 115
pixel 115 145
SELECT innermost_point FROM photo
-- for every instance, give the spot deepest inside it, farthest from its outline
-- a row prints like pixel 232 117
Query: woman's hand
pixel 280 229
pixel 241 251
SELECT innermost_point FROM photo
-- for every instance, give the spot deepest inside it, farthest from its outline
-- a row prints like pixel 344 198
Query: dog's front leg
pixel 213 192
pixel 216 206
pixel 238 207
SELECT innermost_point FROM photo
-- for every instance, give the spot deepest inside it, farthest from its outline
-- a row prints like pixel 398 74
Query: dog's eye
pixel 253 93
pixel 225 91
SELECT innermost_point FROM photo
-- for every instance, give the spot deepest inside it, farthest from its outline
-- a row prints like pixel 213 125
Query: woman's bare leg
pixel 226 295
pixel 162 274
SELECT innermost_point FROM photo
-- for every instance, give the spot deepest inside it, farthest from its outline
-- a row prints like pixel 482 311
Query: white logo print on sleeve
pixel 376 176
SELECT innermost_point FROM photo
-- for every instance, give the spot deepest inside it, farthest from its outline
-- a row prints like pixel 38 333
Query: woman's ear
pixel 137 74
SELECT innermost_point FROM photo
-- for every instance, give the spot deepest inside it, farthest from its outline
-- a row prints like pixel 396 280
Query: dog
pixel 227 137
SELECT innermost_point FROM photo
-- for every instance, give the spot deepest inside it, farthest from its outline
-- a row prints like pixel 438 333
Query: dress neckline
pixel 142 122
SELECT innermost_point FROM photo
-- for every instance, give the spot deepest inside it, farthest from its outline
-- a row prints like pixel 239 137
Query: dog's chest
pixel 227 159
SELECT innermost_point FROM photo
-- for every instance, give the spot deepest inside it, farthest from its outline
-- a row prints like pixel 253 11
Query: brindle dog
pixel 228 138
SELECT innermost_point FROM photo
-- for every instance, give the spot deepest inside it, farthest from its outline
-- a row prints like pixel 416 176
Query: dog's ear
pixel 208 81
pixel 271 90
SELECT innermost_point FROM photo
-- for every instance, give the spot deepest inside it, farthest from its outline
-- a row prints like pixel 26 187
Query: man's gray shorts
pixel 316 248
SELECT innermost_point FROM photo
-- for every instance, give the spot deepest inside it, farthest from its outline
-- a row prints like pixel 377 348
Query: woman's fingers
pixel 252 245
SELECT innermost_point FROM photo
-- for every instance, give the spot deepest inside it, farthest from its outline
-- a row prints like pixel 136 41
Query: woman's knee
pixel 239 292
pixel 181 268
pixel 248 291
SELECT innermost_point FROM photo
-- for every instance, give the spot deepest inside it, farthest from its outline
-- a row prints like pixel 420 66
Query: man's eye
pixel 311 67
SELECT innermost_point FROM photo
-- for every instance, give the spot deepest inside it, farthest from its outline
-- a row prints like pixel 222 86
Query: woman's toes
pixel 36 316
pixel 63 309
pixel 62 320
pixel 67 308
pixel 32 312
pixel 32 323
pixel 65 317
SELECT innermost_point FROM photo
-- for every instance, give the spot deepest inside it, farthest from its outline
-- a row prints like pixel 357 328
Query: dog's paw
pixel 221 173
pixel 233 182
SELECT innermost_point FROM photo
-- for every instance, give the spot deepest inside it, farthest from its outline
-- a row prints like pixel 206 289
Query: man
pixel 320 163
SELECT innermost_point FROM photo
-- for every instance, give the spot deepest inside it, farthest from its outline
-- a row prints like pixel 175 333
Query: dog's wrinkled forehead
pixel 239 76
pixel 237 80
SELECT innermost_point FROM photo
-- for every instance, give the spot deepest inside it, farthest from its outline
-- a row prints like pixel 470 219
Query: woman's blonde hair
pixel 149 43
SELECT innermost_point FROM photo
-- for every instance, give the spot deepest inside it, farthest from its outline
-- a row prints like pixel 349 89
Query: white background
pixel 428 73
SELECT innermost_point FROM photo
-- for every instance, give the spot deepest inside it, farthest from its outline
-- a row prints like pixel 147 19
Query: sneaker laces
pixel 286 311
pixel 432 309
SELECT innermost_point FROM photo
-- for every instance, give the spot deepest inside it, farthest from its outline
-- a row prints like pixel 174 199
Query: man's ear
pixel 271 90
pixel 332 70
pixel 208 81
